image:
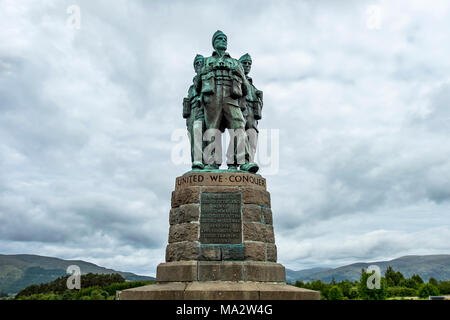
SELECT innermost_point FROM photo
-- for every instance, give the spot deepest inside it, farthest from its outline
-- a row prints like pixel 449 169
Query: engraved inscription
pixel 209 179
pixel 220 219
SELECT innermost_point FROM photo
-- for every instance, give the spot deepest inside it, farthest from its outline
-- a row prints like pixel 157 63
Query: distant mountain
pixel 436 266
pixel 292 276
pixel 19 271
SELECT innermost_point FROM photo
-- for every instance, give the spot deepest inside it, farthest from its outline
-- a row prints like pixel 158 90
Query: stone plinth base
pixel 188 271
pixel 220 290
pixel 221 216
pixel 221 243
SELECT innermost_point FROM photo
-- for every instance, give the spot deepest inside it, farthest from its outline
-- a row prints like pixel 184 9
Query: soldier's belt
pixel 227 83
pixel 223 73
pixel 223 78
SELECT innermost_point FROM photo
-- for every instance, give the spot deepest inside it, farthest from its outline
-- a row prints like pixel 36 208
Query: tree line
pixel 393 285
pixel 93 287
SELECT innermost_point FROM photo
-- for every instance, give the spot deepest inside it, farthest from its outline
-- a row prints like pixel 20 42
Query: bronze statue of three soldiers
pixel 221 97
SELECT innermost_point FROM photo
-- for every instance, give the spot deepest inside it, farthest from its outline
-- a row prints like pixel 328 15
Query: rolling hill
pixel 436 266
pixel 19 271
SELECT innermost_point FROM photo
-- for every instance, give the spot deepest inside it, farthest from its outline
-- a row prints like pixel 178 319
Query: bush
pixel 433 281
pixel 393 278
pixel 41 296
pixel 409 283
pixel 99 294
pixel 444 287
pixel 85 292
pixel 353 294
pixel 427 289
pixel 335 293
pixel 401 292
pixel 68 295
pixel 346 287
pixel 417 279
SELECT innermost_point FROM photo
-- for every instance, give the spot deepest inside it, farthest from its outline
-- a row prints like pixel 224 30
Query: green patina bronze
pixel 221 97
pixel 193 113
pixel 252 112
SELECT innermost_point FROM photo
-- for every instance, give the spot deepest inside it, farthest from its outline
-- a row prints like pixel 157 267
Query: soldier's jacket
pixel 254 104
pixel 192 100
pixel 226 70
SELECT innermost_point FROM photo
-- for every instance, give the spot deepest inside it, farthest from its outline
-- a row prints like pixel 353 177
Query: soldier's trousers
pixel 251 130
pixel 222 111
pixel 252 143
pixel 196 127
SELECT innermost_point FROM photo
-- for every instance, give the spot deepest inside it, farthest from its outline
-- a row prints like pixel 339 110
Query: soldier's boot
pixel 197 165
pixel 250 167
pixel 213 166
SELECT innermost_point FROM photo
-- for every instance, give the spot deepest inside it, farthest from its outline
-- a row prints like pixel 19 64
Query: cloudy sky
pixel 90 118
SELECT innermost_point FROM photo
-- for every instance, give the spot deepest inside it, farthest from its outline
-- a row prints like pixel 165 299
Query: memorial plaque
pixel 220 218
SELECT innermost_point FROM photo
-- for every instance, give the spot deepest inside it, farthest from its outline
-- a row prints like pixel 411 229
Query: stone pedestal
pixel 221 243
pixel 223 290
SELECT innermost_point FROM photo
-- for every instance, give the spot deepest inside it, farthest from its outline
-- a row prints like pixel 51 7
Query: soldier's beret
pixel 245 57
pixel 198 57
pixel 216 34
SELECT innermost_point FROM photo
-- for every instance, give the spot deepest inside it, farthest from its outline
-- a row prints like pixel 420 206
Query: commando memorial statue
pixel 221 243
pixel 222 97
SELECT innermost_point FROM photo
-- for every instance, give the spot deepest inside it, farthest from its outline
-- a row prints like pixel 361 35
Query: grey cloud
pixel 86 119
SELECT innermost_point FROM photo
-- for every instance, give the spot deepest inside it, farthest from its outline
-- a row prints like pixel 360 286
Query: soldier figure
pixel 253 107
pixel 223 84
pixel 194 115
